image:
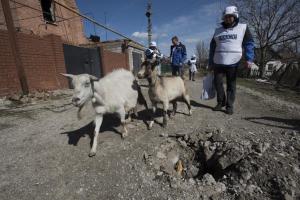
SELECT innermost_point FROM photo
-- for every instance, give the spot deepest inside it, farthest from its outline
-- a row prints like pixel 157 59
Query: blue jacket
pixel 248 45
pixel 178 54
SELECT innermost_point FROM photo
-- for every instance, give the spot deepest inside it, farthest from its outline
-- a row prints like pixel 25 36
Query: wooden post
pixel 12 36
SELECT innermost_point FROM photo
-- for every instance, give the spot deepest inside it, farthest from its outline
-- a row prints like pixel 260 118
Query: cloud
pixel 192 40
pixel 140 35
pixel 191 28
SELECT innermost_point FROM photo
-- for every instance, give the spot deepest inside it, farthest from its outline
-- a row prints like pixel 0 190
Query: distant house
pixel 271 67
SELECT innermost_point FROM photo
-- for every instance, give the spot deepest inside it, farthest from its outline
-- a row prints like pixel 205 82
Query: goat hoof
pixel 92 154
pixel 124 135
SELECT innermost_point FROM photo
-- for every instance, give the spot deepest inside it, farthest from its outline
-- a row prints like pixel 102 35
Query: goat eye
pixel 87 84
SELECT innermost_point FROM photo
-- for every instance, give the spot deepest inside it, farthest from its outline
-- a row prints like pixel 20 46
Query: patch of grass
pixel 281 92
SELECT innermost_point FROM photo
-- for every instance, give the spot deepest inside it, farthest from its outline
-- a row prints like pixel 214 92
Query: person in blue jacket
pixel 177 56
pixel 226 49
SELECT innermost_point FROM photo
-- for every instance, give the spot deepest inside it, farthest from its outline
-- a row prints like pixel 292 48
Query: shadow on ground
pixel 196 104
pixel 273 121
pixel 110 122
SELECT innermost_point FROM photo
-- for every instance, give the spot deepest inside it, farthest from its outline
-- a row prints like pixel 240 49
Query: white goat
pixel 117 92
pixel 163 90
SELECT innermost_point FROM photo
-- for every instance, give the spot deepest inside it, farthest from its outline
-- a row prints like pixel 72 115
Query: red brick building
pixel 43 30
pixel 44 17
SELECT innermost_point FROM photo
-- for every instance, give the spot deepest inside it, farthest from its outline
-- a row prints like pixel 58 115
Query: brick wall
pixel 42 59
pixel 112 60
pixel 9 81
pixel 29 19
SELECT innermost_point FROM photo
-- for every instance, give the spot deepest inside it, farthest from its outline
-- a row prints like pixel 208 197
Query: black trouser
pixel 177 70
pixel 191 75
pixel 230 72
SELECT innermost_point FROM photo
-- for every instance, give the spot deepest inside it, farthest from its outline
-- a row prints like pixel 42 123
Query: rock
pixel 160 173
pixel 146 156
pixel 164 135
pixel 24 99
pixel 39 95
pixel 287 197
pixel 15 97
pixel 173 157
pixel 296 169
pixel 208 179
pixel 282 144
pixel 192 181
pixel 218 137
pixel 186 138
pixel 208 151
pixel 232 156
pixel 246 175
pixel 192 171
pixel 262 147
pixel 161 155
pixel 294 133
pixel 182 143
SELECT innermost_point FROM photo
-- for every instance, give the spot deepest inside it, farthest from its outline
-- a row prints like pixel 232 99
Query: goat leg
pixel 152 116
pixel 174 107
pixel 165 119
pixel 122 114
pixel 98 122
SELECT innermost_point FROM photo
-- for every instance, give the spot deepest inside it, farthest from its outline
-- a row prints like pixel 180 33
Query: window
pixel 48 10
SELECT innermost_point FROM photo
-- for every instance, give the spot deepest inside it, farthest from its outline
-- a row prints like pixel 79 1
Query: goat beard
pixel 79 112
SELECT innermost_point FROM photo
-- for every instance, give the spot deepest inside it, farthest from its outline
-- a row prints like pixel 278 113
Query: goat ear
pixel 93 78
pixel 68 75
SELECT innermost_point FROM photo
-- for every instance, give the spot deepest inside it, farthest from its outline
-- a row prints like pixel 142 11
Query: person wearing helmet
pixel 153 51
pixel 177 56
pixel 225 53
pixel 192 67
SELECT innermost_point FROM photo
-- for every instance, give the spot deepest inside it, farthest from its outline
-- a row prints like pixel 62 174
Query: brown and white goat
pixel 163 90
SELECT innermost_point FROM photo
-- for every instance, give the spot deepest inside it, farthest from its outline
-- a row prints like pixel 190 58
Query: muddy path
pixel 253 154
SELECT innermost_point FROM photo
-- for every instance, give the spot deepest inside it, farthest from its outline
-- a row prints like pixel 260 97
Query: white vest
pixel 229 44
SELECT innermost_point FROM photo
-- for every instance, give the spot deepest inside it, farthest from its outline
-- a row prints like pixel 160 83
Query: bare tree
pixel 202 52
pixel 272 22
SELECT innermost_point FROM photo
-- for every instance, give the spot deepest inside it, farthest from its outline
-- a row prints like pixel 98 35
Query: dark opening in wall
pixel 48 8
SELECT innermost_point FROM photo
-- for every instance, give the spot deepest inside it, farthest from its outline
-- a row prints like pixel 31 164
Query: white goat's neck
pixel 153 79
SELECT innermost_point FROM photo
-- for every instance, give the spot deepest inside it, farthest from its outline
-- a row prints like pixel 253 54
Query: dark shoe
pixel 218 107
pixel 229 111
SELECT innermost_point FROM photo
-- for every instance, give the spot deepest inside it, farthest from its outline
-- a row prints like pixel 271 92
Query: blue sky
pixel 190 20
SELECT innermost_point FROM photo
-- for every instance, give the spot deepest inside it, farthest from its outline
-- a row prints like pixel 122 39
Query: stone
pixel 146 156
pixel 173 157
pixel 208 179
pixel 192 181
pixel 160 155
pixel 15 97
pixel 294 133
pixel 192 171
pixel 262 147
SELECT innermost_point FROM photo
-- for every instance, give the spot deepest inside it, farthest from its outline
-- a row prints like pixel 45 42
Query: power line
pixel 97 23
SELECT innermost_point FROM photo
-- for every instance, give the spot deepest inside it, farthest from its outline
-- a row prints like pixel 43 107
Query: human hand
pixel 249 64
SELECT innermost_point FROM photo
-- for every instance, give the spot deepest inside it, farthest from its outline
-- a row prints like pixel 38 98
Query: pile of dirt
pixel 212 166
pixel 34 97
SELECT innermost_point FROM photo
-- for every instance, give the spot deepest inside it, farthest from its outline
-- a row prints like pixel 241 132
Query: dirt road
pixel 253 154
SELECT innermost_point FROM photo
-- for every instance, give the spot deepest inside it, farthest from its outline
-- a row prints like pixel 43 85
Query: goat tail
pixel 141 99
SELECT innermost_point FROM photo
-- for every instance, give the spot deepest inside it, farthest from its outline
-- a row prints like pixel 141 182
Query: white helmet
pixel 152 44
pixel 231 10
pixel 193 56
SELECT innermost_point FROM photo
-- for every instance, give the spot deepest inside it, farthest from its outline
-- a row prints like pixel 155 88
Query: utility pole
pixel 105 25
pixel 148 15
pixel 12 36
